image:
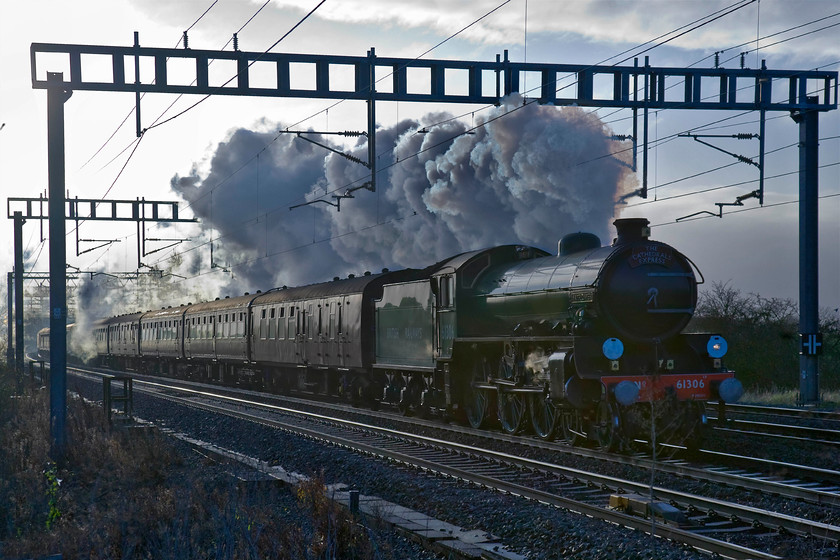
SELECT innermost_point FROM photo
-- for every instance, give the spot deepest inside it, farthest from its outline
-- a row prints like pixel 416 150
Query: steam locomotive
pixel 586 344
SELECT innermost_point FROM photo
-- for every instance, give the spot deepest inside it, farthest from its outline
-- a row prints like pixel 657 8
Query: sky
pixel 525 177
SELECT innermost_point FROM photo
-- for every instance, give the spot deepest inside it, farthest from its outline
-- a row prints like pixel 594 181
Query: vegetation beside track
pixel 134 494
pixel 763 336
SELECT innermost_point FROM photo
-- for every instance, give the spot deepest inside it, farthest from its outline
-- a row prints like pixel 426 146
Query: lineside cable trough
pixel 437 535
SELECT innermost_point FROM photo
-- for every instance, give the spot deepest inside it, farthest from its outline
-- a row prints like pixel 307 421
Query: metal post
pixel 18 217
pixel 56 96
pixel 636 117
pixel 372 119
pixel 646 100
pixel 10 351
pixel 354 502
pixel 809 392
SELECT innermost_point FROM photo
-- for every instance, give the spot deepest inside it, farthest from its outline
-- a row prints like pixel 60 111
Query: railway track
pixel 679 516
pixel 816 426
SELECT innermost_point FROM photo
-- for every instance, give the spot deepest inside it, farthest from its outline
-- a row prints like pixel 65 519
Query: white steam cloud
pixel 530 177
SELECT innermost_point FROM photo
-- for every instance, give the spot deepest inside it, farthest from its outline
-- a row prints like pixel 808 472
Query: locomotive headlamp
pixel 717 346
pixel 613 348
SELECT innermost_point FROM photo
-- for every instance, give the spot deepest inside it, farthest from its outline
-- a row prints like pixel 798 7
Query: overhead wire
pixel 718 15
pixel 341 101
pixel 737 6
pixel 136 142
pixel 757 40
pixel 692 26
pixel 418 57
pixel 742 210
pixel 203 99
pixel 699 23
pixel 133 109
pixel 833 25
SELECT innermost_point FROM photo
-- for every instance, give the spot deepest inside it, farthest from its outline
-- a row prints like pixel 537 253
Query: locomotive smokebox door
pixel 557 375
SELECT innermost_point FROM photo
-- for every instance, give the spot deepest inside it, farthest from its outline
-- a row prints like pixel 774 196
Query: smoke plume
pixel 530 176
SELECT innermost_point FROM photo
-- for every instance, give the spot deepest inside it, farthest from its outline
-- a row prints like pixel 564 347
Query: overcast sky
pixel 522 178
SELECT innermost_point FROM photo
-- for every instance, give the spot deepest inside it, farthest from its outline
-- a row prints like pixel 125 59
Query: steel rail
pixel 700 542
pixel 805 413
pixel 769 429
pixel 766 518
pixel 759 482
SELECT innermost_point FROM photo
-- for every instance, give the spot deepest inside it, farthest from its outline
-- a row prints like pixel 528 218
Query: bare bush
pixel 132 494
pixel 763 335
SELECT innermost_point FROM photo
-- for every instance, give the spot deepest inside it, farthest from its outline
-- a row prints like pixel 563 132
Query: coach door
pixel 330 335
pixel 342 319
pixel 301 320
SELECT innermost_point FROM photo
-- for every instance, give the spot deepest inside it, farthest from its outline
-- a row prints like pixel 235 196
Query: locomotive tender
pixel 587 343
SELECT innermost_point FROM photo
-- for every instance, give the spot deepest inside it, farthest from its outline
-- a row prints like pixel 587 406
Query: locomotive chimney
pixel 631 230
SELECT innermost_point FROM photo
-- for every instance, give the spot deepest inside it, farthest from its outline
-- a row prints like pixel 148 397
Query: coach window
pixel 272 323
pixel 320 321
pixel 292 332
pixel 311 317
pixel 281 324
pixel 331 333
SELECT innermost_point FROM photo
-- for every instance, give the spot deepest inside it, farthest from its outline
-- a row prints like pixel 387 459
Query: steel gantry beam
pixel 486 82
pixel 267 74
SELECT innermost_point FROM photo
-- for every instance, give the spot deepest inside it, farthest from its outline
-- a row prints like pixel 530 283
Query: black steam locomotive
pixel 587 343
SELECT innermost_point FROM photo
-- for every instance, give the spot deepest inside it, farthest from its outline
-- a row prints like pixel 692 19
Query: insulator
pixel 744 136
pixel 235 42
pixel 717 59
pixel 186 41
pixel 743 54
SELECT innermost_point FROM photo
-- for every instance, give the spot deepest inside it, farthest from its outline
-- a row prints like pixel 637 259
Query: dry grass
pixel 788 397
pixel 128 495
